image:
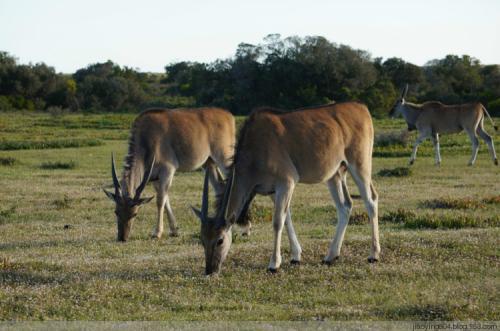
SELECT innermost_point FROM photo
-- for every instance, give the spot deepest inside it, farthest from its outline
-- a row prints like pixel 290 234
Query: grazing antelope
pixel 433 118
pixel 162 142
pixel 275 151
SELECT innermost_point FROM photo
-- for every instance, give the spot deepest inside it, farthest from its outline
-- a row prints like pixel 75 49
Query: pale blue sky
pixel 149 34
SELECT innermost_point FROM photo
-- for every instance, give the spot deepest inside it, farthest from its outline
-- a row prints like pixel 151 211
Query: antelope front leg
pixel 419 140
pixel 281 206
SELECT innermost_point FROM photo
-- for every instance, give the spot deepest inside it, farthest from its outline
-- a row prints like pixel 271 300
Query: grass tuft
pixel 7 161
pixel 6 214
pixel 62 203
pixel 358 218
pixel 395 172
pixel 452 203
pixel 58 165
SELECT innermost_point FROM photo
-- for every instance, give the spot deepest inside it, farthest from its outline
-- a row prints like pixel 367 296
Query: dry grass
pixel 59 259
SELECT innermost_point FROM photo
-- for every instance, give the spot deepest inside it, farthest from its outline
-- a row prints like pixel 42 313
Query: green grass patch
pixel 47 144
pixel 395 172
pixel 58 165
pixel 7 161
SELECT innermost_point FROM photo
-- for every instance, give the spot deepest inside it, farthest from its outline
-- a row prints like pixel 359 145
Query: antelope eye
pixel 220 241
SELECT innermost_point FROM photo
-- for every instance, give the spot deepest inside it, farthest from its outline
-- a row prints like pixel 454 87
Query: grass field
pixel 59 258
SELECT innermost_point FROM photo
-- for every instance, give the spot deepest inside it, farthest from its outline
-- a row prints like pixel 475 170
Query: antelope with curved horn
pixel 275 151
pixel 433 118
pixel 164 141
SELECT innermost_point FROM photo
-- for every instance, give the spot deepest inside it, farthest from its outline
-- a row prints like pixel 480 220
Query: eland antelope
pixel 164 141
pixel 275 151
pixel 433 118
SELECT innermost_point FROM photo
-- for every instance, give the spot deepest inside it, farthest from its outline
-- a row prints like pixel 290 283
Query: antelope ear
pixel 110 195
pixel 198 213
pixel 143 201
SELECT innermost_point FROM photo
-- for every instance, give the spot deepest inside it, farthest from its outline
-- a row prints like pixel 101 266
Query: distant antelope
pixel 162 142
pixel 275 151
pixel 433 118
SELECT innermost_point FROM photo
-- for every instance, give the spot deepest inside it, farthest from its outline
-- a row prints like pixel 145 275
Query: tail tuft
pixel 495 127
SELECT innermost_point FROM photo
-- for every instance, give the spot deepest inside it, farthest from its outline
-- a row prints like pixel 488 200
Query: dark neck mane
pixel 132 168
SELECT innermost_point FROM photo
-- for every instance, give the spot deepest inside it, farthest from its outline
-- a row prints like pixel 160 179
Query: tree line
pixel 280 72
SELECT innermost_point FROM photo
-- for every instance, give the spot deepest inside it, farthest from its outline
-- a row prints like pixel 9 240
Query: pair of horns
pixel 204 200
pixel 404 92
pixel 140 188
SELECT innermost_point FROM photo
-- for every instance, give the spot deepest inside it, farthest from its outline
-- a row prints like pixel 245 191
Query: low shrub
pixel 399 216
pixel 58 165
pixel 393 138
pixel 66 143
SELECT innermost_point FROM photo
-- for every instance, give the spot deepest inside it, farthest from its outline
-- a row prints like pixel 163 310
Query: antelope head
pixel 400 102
pixel 126 207
pixel 216 235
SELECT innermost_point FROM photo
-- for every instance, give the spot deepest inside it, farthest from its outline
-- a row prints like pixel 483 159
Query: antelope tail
pixel 487 114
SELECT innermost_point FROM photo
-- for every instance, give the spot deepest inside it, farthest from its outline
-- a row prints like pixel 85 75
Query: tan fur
pixel 179 140
pixel 276 150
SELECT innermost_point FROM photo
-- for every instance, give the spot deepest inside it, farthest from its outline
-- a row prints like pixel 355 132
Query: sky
pixel 149 34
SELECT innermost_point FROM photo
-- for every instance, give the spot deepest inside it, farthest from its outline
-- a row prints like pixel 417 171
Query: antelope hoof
pixel 295 262
pixel 372 260
pixel 333 261
pixel 411 162
pixel 272 270
pixel 173 234
pixel 156 236
pixel 495 161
